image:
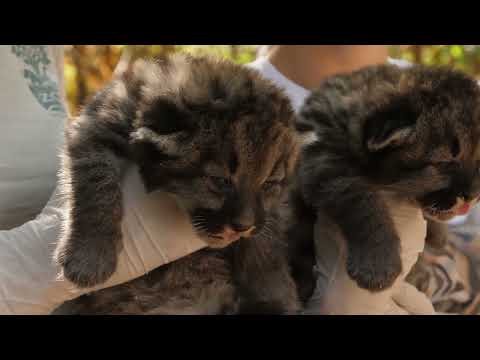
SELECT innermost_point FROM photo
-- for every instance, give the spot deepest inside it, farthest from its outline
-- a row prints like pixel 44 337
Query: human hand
pixel 337 293
pixel 155 232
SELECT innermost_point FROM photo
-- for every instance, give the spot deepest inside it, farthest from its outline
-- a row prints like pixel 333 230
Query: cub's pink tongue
pixel 463 209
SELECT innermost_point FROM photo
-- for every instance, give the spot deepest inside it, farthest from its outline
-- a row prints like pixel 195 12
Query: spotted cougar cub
pixel 411 133
pixel 218 137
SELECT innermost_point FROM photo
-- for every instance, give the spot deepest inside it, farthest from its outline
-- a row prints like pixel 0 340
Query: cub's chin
pixel 225 238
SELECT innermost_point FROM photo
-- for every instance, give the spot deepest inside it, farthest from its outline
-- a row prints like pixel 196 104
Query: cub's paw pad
pixel 374 272
pixel 87 267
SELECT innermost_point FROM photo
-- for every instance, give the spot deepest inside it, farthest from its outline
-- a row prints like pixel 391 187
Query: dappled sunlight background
pixel 89 67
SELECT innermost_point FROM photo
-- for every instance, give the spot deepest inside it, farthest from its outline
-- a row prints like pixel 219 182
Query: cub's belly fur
pixel 201 284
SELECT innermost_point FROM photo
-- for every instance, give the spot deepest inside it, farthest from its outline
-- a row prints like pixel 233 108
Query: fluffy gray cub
pixel 413 133
pixel 214 134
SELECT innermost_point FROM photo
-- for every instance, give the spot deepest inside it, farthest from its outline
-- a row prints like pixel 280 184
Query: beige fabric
pixel 337 294
pixel 156 231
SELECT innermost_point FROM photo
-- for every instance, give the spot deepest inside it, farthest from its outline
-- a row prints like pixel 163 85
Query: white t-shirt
pixel 295 92
pixel 31 129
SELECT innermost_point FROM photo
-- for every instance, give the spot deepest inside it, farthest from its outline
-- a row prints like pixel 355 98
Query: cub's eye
pixel 270 184
pixel 455 147
pixel 220 183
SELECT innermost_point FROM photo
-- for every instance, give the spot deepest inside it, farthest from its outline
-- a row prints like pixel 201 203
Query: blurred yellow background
pixel 88 67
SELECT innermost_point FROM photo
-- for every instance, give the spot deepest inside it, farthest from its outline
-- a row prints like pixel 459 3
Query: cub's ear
pixel 391 125
pixel 163 145
pixel 163 127
pixel 166 117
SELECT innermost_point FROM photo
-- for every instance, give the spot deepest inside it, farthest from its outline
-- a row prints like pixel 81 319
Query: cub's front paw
pixel 375 268
pixel 87 264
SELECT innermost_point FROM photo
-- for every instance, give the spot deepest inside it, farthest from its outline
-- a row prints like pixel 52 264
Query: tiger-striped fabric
pixel 450 276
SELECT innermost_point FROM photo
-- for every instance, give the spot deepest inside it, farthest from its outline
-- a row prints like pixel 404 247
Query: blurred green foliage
pixel 463 57
pixel 88 67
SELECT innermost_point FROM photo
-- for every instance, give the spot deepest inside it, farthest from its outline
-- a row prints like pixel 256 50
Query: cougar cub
pixel 218 137
pixel 412 133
